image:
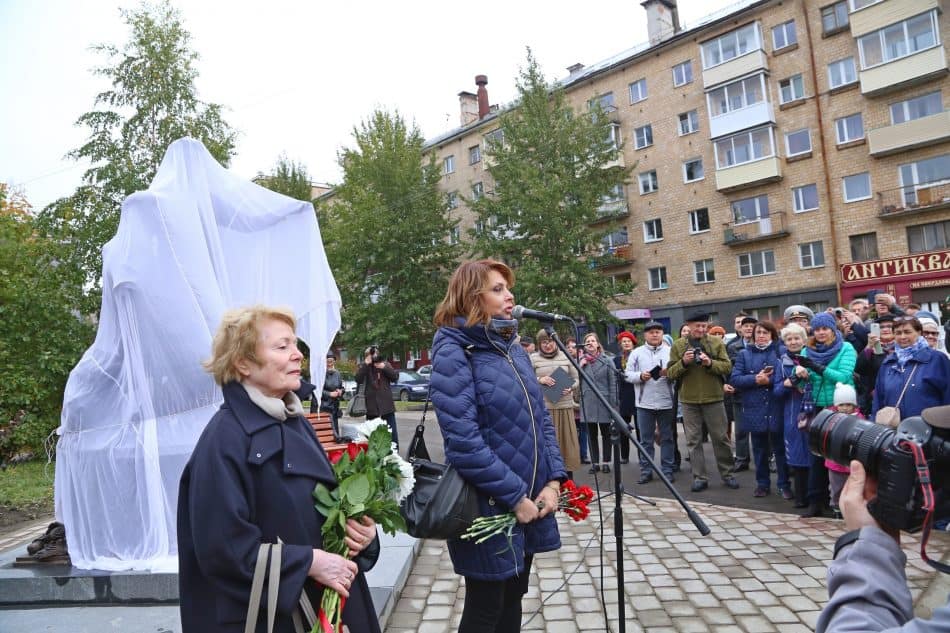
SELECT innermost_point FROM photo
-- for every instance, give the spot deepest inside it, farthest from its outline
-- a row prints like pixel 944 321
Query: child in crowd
pixel 845 401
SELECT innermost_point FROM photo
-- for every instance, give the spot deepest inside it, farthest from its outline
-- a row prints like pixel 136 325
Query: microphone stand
pixel 620 426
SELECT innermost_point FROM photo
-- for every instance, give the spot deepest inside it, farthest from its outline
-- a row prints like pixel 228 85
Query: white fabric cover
pixel 199 241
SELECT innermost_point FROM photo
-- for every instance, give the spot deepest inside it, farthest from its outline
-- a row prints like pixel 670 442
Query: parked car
pixel 410 386
pixel 349 388
pixel 425 371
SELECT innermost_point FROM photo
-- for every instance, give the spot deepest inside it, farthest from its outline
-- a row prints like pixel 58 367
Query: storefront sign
pixel 632 313
pixel 910 265
pixel 930 283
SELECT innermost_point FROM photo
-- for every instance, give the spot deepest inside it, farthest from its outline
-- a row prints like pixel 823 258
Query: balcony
pixel 877 16
pixel 742 119
pixel 619 255
pixel 928 130
pixel 611 210
pixel 746 232
pixel 736 67
pixel 913 199
pixel 904 72
pixel 617 162
pixel 748 174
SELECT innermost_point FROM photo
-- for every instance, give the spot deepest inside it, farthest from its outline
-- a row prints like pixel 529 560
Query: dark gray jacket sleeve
pixel 867 590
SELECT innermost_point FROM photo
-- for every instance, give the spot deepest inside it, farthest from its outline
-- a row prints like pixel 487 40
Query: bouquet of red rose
pixel 572 500
pixel 372 479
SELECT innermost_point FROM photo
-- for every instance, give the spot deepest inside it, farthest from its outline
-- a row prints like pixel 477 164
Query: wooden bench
pixel 323 427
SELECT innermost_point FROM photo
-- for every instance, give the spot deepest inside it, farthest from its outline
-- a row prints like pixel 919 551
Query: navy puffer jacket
pixel 498 435
pixel 761 411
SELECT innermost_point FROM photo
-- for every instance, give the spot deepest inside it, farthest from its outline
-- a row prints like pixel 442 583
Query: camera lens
pixel 841 437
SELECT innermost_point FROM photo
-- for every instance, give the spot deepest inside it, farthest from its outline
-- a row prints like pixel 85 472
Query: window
pixel 863 247
pixel 658 278
pixel 805 198
pixel 857 187
pixel 683 73
pixel 750 209
pixel 791 89
pixel 860 4
pixel 898 40
pixel 643 136
pixel 703 271
pixel 928 237
pixel 689 122
pixel 784 35
pixel 613 137
pixel 454 235
pixel 756 263
pixel 606 102
pixel 478 190
pixel 744 147
pixel 797 142
pixel 923 174
pixel 834 17
pixel 448 165
pixel 916 108
pixel 769 313
pixel 653 230
pixel 614 239
pixel 811 255
pixel 737 95
pixel 620 279
pixel 474 154
pixel 699 221
pixel 638 90
pixel 841 73
pixel 648 182
pixel 453 200
pixel 494 139
pixel 731 45
pixel 693 170
pixel 849 128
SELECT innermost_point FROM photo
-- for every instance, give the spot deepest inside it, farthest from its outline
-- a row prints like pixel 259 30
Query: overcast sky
pixel 295 77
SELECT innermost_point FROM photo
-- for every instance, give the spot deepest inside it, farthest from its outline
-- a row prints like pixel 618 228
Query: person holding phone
pixel 762 414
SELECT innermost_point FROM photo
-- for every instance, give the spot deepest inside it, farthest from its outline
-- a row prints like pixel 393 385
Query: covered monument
pixel 199 241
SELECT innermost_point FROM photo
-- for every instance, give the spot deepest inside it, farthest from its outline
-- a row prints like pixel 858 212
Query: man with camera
pixel 701 365
pixel 867 584
pixel 376 377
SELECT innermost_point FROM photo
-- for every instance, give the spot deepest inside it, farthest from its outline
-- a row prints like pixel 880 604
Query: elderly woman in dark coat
pixel 597 364
pixel 498 435
pixel 249 481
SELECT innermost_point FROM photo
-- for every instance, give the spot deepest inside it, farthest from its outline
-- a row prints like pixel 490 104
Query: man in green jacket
pixel 701 366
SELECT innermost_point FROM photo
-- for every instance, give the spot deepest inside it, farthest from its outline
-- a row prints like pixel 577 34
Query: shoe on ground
pixel 699 485
pixel 645 478
pixel 814 510
pixel 787 494
pixel 594 469
pixel 624 460
pixel 740 466
pixel 801 504
pixel 605 468
pixel 584 460
pixel 760 492
pixel 730 482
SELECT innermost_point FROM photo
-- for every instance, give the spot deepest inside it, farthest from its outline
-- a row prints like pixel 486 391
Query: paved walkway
pixel 756 572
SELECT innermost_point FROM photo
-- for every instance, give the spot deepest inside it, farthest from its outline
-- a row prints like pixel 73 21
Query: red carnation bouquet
pixel 573 500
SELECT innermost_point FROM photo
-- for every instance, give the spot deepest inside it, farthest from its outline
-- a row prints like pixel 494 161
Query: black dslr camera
pixel 892 456
pixel 373 353
pixel 697 350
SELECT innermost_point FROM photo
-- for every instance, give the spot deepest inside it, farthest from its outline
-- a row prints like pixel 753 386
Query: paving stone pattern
pixel 756 572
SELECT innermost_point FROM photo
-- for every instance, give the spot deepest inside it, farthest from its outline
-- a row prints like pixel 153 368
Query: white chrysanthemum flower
pixel 407 480
pixel 365 429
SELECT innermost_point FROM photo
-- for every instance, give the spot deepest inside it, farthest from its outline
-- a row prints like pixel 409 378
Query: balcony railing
pixel 611 210
pixel 746 231
pixel 613 256
pixel 913 199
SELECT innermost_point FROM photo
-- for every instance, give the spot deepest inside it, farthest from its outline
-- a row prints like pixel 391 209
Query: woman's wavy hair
pixel 237 337
pixel 463 296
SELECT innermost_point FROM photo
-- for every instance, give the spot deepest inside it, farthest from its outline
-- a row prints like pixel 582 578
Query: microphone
pixel 521 312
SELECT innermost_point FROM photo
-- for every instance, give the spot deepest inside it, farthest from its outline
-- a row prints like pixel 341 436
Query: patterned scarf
pixel 904 354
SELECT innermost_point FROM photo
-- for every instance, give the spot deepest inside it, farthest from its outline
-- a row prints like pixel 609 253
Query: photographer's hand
pixel 857 491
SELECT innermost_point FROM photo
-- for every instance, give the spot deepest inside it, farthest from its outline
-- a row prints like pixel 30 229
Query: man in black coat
pixel 376 377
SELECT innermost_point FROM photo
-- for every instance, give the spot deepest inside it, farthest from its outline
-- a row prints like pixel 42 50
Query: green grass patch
pixel 27 485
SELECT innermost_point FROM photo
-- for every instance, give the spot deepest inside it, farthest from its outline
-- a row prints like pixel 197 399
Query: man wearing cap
pixel 332 390
pixel 628 404
pixel 801 315
pixel 735 346
pixel 867 583
pixel 646 373
pixel 701 365
pixel 528 344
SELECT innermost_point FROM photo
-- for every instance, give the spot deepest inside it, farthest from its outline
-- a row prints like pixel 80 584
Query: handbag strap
pixel 257 587
pixel 904 390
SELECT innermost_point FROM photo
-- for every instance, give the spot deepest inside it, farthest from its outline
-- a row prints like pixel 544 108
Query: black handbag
pixel 442 504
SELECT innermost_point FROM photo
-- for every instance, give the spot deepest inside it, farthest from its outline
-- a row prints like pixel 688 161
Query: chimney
pixel 483 107
pixel 468 104
pixel 663 19
pixel 573 68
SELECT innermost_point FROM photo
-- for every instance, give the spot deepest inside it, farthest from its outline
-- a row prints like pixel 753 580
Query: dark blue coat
pixel 761 411
pixel 929 386
pixel 790 399
pixel 498 435
pixel 249 481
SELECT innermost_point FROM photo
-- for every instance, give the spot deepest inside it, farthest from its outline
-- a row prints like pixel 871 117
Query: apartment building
pixel 786 151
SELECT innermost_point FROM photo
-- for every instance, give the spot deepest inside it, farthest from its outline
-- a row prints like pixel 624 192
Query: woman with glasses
pixel 931 331
pixel 915 370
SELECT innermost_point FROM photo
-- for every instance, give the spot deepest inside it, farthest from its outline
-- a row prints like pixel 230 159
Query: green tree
pixel 289 178
pixel 42 335
pixel 152 102
pixel 551 176
pixel 387 231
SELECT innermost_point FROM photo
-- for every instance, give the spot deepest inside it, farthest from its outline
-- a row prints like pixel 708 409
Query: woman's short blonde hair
pixel 466 286
pixel 237 336
pixel 794 328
